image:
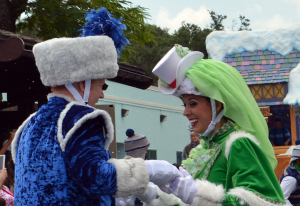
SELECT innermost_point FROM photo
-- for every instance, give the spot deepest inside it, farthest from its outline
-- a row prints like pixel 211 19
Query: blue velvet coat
pixel 72 170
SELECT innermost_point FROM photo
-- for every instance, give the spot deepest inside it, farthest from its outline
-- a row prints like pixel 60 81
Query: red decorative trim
pixel 173 84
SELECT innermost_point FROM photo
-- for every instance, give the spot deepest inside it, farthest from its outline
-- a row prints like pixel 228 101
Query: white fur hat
pixel 62 61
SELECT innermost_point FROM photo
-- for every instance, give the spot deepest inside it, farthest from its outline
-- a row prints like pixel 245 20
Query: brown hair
pixel 10 167
pixel 193 134
pixel 2 202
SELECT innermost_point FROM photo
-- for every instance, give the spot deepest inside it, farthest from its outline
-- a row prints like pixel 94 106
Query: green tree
pixel 245 23
pixel 148 55
pixel 63 18
pixel 217 21
pixel 192 36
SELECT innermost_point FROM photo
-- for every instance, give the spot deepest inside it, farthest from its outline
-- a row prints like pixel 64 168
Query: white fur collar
pixel 236 135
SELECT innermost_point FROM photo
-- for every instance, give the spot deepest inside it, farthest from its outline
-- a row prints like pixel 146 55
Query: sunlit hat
pixel 171 69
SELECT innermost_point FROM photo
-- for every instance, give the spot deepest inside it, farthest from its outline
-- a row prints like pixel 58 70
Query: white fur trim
pixel 132 176
pixel 14 143
pixel 208 194
pixel 165 199
pixel 62 61
pixel 237 135
pixel 97 112
pixel 250 198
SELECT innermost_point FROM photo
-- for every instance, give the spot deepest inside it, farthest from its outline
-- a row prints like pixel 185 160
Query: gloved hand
pixel 184 188
pixel 125 201
pixel 150 194
pixel 161 172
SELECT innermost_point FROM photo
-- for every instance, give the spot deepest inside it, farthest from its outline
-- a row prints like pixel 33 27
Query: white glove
pixel 125 201
pixel 161 172
pixel 185 187
pixel 150 194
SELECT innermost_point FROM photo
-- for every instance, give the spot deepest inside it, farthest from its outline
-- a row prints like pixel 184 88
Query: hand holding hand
pixel 161 172
pixel 150 194
pixel 125 201
pixel 184 187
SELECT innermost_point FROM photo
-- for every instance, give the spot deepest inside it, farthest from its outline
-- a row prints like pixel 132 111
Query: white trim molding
pixel 132 101
pixel 237 135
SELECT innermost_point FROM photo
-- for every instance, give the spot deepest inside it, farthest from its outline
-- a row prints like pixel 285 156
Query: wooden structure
pixel 283 160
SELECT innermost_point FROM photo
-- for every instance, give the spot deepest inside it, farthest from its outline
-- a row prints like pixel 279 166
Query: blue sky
pixel 263 14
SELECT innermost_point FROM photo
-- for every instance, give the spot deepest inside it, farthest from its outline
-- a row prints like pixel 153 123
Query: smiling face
pixel 198 111
pixel 96 91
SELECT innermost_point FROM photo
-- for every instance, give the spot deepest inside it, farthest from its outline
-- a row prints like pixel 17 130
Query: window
pixel 179 157
pixel 268 91
pixel 151 154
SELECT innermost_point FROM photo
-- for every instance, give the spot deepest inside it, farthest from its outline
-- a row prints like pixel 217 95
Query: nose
pixel 102 95
pixel 186 111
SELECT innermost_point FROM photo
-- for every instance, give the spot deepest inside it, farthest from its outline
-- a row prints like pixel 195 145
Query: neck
pixel 62 90
pixel 218 126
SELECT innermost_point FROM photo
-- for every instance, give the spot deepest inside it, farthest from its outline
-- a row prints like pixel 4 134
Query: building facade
pixel 149 112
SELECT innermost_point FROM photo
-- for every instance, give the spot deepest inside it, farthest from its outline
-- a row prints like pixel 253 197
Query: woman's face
pixel 198 111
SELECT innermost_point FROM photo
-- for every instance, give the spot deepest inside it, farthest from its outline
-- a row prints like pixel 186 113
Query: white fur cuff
pixel 132 176
pixel 208 194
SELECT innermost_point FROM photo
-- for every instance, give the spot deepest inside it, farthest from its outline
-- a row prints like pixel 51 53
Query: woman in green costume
pixel 234 163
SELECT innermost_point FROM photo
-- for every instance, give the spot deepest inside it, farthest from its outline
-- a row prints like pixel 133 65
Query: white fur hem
pixel 250 198
pixel 97 112
pixel 208 194
pixel 165 199
pixel 236 135
pixel 14 143
pixel 132 176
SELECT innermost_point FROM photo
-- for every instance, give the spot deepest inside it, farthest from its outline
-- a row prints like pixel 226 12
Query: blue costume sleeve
pixel 87 159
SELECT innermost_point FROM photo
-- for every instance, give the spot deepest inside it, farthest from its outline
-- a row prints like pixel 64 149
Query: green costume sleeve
pixel 250 176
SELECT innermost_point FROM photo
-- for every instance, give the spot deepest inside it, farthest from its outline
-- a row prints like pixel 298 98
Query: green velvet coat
pixel 232 169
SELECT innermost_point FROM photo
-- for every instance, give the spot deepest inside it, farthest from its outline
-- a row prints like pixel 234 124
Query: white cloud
pixel 297 3
pixel 254 9
pixel 276 22
pixel 258 7
pixel 199 17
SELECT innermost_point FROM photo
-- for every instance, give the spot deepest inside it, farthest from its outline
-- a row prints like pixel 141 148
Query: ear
pixel 219 106
pixel 81 86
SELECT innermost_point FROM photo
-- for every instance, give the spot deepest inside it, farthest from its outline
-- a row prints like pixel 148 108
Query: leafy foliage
pixel 217 21
pixel 245 23
pixel 148 55
pixel 192 36
pixel 63 18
